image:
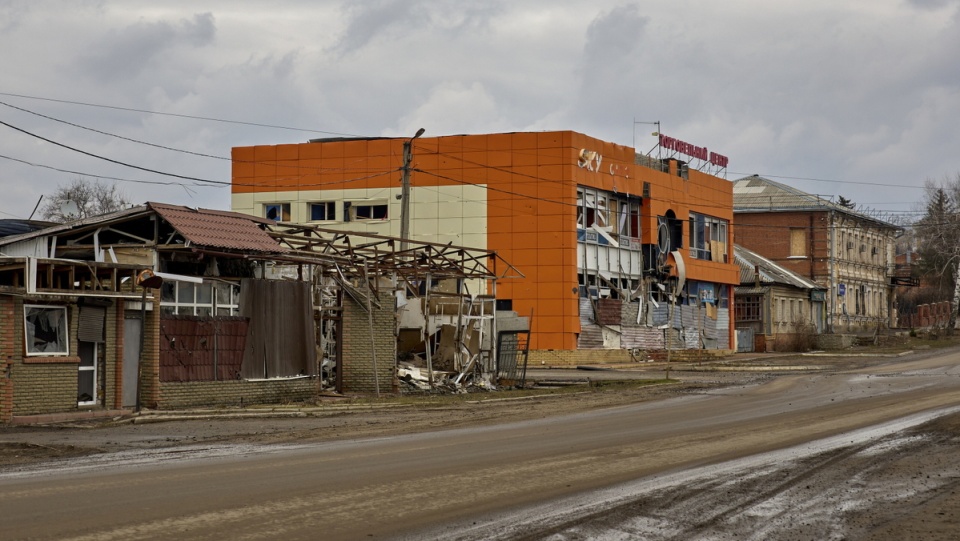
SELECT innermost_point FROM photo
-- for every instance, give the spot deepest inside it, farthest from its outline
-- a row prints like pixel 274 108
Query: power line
pixel 834 181
pixel 192 117
pixel 155 145
pixel 113 134
pixel 118 179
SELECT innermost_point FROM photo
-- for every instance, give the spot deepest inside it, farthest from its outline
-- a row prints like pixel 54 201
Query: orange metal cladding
pixel 532 181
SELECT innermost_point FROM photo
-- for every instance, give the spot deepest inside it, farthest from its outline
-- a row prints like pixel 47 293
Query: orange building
pixel 603 236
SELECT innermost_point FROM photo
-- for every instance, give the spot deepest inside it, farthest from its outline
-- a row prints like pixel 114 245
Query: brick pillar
pixel 358 372
pixel 150 360
pixel 8 353
pixel 118 330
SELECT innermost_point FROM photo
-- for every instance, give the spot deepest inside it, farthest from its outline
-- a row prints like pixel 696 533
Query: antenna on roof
pixel 35 208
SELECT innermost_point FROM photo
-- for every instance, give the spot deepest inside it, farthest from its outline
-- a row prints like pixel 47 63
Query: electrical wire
pixel 177 115
pixel 111 160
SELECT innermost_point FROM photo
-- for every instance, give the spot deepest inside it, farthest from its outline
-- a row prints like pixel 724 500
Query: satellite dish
pixel 69 208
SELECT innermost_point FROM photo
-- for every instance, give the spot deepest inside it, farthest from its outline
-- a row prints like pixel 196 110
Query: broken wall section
pixel 613 324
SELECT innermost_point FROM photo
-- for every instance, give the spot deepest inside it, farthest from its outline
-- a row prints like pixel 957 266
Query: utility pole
pixel 405 191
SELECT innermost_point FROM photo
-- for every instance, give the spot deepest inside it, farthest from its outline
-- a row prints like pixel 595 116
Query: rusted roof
pixel 218 228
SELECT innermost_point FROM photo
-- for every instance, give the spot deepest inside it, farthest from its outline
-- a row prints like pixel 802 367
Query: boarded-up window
pixel 798 243
pixel 201 348
pixel 280 342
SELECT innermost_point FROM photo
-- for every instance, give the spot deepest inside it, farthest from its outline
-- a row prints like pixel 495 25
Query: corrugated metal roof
pixel 218 228
pixel 9 227
pixel 758 194
pixel 770 272
pixel 102 219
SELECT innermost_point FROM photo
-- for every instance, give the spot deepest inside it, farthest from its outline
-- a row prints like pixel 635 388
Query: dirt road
pixel 482 479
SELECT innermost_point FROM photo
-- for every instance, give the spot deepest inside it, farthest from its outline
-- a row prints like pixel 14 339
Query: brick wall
pixel 40 385
pixel 358 373
pixel 235 393
pixel 768 234
pixel 44 384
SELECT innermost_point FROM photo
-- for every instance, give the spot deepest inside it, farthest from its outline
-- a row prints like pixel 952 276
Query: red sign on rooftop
pixel 700 153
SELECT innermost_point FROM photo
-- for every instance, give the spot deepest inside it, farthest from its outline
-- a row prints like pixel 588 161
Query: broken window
pixel 277 211
pixel 616 215
pixel 708 238
pixel 324 211
pixel 580 222
pixel 590 209
pixel 45 329
pixel 366 211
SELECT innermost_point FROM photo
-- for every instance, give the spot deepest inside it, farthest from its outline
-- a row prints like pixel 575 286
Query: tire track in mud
pixel 879 483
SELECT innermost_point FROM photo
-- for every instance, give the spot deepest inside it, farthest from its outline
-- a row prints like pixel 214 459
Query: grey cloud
pixel 930 4
pixel 125 52
pixel 390 19
pixel 612 35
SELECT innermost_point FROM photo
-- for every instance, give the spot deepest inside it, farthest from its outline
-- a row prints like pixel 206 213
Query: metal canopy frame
pixel 361 254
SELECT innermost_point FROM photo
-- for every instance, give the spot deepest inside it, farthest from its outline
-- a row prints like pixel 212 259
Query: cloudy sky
pixel 859 98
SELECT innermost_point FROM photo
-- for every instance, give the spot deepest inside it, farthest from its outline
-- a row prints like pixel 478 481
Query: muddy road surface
pixel 865 453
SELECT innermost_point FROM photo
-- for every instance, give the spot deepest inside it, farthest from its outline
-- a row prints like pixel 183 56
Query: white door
pixel 87 375
pixel 131 359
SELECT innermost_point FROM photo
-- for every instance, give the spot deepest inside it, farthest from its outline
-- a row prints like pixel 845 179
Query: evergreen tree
pixel 844 202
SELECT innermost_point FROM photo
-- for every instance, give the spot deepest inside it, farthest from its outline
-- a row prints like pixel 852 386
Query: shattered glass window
pixel 45 328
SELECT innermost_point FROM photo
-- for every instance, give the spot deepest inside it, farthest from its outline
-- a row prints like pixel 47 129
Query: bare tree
pixel 938 238
pixel 83 198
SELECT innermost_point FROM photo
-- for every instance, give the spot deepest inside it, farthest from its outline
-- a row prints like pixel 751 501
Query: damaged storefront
pixel 650 287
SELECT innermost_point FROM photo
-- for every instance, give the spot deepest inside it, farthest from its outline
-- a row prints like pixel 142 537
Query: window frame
pixel 195 307
pixel 746 306
pixel 64 325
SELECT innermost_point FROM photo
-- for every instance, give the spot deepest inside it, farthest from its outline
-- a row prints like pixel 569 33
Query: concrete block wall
pixel 575 357
pixel 358 348
pixel 175 395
